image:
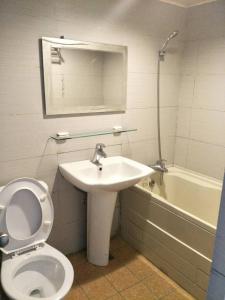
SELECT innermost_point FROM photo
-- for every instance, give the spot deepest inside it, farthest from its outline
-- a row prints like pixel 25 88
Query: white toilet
pixel 31 268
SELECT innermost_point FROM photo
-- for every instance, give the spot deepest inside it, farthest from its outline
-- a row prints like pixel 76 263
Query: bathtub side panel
pixel 149 230
pixel 164 238
pixel 186 231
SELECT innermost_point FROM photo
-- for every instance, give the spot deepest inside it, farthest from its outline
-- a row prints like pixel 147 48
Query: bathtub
pixel 174 224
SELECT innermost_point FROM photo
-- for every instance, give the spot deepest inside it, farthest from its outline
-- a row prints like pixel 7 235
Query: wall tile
pixel 205 158
pixel 141 151
pixel 211 57
pixel 186 92
pixel 142 55
pixel 168 145
pixel 198 25
pixel 202 92
pixel 189 58
pixel 28 8
pixel 142 119
pixel 208 126
pixel 68 238
pixel 181 151
pixel 169 90
pixel 141 90
pixel 72 204
pixel 210 92
pixel 183 122
pixel 173 18
pixel 43 168
pixel 168 117
pixel 25 146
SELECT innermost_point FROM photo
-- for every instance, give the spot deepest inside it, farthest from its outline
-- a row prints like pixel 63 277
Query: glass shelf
pixel 92 133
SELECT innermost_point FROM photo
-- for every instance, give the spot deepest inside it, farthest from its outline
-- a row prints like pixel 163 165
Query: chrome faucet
pixel 98 154
pixel 4 239
pixel 159 166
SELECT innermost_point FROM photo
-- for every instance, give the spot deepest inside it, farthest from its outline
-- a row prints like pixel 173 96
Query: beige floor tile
pixel 139 268
pixel 86 272
pixel 98 289
pixel 117 242
pixel 113 265
pixel 177 296
pixel 115 297
pixel 124 254
pixel 77 258
pixel 76 293
pixel 129 273
pixel 148 262
pixel 181 291
pixel 138 292
pixel 121 278
pixel 158 285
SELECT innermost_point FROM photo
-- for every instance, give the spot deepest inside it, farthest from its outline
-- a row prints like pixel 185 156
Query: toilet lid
pixel 26 213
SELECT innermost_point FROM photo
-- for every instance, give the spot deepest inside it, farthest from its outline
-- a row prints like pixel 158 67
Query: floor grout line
pixel 101 273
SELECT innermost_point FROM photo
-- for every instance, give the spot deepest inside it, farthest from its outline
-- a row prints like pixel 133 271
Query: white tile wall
pixel 183 121
pixel 206 21
pixel 199 124
pixel 206 158
pixel 200 141
pixel 25 148
pixel 210 92
pixel 208 126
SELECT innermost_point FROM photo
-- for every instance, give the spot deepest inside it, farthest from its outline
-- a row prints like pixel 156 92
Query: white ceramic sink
pixel 102 184
pixel 116 173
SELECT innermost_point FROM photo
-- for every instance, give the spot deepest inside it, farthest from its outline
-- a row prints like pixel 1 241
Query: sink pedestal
pixel 100 209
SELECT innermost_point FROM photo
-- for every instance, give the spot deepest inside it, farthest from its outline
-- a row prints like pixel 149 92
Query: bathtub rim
pixel 212 183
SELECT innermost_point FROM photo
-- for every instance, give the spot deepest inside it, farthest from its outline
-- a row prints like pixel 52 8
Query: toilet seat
pixel 26 214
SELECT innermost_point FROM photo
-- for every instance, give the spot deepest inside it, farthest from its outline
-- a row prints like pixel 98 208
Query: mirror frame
pixel 48 42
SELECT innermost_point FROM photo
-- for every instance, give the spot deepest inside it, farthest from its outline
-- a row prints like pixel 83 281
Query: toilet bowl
pixel 30 267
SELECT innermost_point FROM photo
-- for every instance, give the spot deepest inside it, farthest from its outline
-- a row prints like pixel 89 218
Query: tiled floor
pixel 128 276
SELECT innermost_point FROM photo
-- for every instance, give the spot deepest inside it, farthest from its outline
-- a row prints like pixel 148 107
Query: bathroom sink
pixel 102 180
pixel 115 173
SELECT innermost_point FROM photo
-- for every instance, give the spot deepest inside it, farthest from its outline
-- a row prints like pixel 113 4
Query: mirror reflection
pixel 83 77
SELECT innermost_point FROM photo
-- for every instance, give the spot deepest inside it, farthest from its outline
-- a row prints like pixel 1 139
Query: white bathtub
pixel 174 224
pixel 193 196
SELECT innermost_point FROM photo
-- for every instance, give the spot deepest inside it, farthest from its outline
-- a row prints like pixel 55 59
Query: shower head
pixel 170 37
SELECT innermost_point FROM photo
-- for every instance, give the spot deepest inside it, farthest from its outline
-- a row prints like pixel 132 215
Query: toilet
pixel 30 267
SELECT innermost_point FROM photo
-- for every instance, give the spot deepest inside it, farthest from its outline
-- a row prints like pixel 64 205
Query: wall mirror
pixel 83 77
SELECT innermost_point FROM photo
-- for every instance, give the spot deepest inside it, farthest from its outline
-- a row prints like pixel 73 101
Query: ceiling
pixel 187 3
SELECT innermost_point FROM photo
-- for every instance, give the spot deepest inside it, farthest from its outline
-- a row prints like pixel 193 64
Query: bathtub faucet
pixel 99 153
pixel 159 166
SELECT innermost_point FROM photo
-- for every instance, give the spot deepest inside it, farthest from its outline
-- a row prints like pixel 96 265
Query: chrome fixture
pixel 160 164
pixel 4 239
pixel 162 51
pixel 98 154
